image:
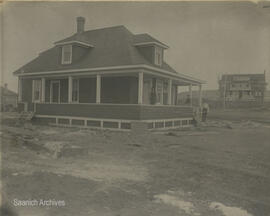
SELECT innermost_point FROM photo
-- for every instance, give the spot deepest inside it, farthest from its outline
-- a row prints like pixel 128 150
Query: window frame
pixel 63 56
pixel 39 90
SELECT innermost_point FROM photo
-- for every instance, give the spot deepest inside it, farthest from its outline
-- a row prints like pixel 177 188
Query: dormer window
pixel 158 56
pixel 67 54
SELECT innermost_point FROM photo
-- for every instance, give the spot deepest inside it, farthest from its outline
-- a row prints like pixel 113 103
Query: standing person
pixel 205 110
pixel 187 99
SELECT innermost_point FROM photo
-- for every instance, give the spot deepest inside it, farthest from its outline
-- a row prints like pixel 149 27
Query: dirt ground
pixel 220 168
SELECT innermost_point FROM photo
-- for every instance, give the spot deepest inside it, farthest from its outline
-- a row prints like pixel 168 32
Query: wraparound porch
pixel 117 88
pixel 113 100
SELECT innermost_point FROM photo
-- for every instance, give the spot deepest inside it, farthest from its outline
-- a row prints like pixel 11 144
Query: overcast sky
pixel 205 39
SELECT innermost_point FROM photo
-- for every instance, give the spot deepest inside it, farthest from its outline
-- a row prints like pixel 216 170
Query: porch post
pixel 19 89
pixel 200 95
pixel 190 94
pixel 140 88
pixel 70 89
pixel 42 89
pixel 170 92
pixel 98 85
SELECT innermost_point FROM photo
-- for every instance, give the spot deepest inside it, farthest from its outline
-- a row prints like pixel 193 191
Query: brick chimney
pixel 80 24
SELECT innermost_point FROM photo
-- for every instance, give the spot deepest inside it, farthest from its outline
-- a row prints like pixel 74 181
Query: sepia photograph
pixel 135 108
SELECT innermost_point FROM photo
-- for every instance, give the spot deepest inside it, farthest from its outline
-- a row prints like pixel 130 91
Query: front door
pixel 55 92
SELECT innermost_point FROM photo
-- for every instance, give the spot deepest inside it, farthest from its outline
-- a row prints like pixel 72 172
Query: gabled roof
pixel 108 47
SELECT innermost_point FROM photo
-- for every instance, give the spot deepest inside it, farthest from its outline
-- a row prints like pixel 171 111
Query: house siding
pixel 114 111
pixel 165 112
pixel 148 52
pixel 27 90
pixel 103 111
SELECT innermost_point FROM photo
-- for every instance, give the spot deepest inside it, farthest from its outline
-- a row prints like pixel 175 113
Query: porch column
pixel 19 89
pixel 200 95
pixel 98 85
pixel 140 88
pixel 190 94
pixel 70 89
pixel 42 89
pixel 170 92
pixel 176 95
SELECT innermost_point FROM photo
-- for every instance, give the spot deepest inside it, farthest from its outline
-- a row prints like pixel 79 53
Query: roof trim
pixel 151 43
pixel 175 74
pixel 74 41
pixel 142 66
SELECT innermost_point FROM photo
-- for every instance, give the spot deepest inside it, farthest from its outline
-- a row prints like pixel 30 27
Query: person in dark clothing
pixel 205 110
pixel 187 99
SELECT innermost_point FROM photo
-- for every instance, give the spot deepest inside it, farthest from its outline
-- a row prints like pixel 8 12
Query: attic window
pixel 67 54
pixel 158 56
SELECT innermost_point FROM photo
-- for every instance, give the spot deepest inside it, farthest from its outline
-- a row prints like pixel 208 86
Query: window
pixel 67 54
pixel 158 56
pixel 75 90
pixel 36 90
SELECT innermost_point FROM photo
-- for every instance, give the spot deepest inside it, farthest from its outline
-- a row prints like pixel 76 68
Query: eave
pixel 152 43
pixel 115 69
pixel 74 41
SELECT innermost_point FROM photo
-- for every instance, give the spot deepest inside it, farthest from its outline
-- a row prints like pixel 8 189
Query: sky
pixel 206 39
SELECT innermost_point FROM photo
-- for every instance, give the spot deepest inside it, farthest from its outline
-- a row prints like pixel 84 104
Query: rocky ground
pixel 219 168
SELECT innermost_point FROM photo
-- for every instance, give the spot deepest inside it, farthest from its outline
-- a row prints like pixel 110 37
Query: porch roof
pixel 126 69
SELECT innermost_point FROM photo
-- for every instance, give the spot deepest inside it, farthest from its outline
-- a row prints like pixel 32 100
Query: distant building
pixel 243 87
pixel 8 99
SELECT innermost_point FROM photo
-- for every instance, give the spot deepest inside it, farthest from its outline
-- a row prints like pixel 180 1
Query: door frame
pixel 51 90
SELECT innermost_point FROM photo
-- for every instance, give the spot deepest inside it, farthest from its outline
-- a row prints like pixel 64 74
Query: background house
pixel 240 90
pixel 8 99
